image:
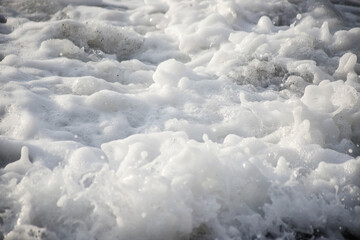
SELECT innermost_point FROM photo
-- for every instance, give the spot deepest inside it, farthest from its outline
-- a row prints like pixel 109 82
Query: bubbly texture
pixel 167 119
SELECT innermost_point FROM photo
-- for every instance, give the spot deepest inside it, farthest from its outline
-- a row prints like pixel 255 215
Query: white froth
pixel 179 120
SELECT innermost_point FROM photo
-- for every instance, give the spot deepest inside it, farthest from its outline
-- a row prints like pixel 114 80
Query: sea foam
pixel 172 119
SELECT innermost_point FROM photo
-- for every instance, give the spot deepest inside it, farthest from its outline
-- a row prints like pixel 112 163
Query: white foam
pixel 22 165
pixel 179 120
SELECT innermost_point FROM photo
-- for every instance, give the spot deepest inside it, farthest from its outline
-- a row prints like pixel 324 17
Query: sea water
pixel 166 119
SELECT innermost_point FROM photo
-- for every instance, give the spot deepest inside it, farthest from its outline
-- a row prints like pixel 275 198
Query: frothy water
pixel 168 119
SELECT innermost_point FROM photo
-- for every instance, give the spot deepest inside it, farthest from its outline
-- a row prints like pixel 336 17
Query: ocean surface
pixel 179 120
